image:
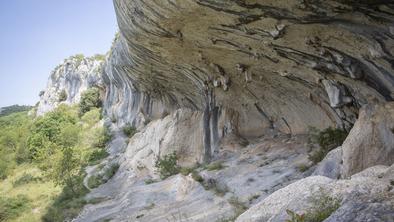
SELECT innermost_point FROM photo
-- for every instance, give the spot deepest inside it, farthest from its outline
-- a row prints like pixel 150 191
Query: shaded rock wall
pixel 274 64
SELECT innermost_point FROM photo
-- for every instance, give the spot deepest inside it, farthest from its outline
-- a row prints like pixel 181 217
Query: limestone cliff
pixel 239 82
pixel 69 79
pixel 250 66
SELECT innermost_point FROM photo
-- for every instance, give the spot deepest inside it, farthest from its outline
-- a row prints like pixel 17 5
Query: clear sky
pixel 36 35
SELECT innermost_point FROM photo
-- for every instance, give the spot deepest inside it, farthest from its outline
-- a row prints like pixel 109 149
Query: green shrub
pixel 327 140
pixel 6 164
pixel 97 155
pixel 129 130
pixel 78 59
pixel 11 208
pixel 110 172
pixel 197 177
pixel 63 96
pixel 167 166
pixel 96 180
pixel 99 57
pixel 104 138
pixel 89 99
pixel 25 179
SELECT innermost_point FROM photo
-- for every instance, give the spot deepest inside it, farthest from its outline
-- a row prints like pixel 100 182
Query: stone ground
pixel 248 175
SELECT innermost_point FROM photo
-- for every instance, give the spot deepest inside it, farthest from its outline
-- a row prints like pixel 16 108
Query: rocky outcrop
pixel 371 141
pixel 69 80
pixel 366 196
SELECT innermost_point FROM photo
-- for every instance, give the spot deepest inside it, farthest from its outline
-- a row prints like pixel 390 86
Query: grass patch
pixel 303 167
pixel 294 217
pixel 150 181
pixel 12 207
pixel 67 205
pixel 40 194
pixel 26 178
pixel 214 166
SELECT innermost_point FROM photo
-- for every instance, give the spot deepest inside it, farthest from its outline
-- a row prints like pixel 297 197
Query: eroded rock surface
pixel 288 65
pixel 248 175
pixel 371 141
pixel 364 197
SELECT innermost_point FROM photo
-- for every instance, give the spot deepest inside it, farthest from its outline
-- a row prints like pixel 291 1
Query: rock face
pixel 238 82
pixel 371 141
pixel 69 80
pixel 272 63
pixel 367 196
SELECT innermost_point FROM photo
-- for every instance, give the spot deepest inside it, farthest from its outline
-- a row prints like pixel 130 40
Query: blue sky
pixel 36 35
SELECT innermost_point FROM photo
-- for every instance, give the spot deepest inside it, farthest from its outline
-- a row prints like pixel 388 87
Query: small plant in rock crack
pixel 238 205
pixel 218 165
pixel 63 96
pixel 96 180
pixel 167 165
pixel 129 130
pixel 323 206
pixel 294 217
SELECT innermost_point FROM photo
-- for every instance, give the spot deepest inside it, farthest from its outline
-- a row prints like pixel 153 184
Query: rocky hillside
pixel 69 79
pixel 230 89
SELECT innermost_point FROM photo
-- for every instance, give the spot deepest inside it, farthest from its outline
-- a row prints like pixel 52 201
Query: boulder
pixel 366 196
pixel 330 166
pixel 371 141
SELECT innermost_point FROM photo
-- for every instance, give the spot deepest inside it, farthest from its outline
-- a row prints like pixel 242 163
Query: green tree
pixel 67 169
pixel 46 131
pixel 89 99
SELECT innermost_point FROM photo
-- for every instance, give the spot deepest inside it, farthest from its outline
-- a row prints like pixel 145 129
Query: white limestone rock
pixel 75 75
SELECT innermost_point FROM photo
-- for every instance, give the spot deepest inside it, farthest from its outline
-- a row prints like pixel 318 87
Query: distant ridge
pixel 5 111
